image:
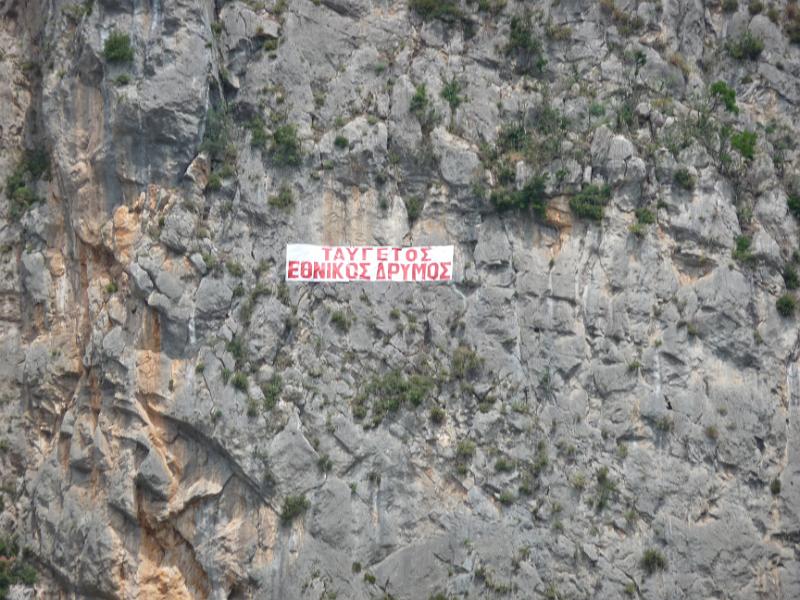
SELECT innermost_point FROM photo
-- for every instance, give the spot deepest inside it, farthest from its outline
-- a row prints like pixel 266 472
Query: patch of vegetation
pixel 755 7
pixel 341 142
pixel 437 415
pixel 14 566
pixel 653 560
pixel 34 165
pixel 293 507
pixel 684 179
pixel 532 197
pixel 421 108
pixel 742 251
pixel 117 48
pixel 645 216
pixel 775 487
pixel 506 497
pixel 414 205
pixel 285 150
pixel 446 10
pixel 451 92
pixel 465 363
pixel 283 200
pixel 258 133
pixel 790 278
pixel 605 489
pixel 744 142
pixel 239 381
pixel 340 321
pixel 234 268
pixel 627 24
pixel 793 202
pixel 746 47
pixel 272 391
pixel 786 305
pixel 792 24
pixel 524 47
pixel 390 392
pixel 122 80
pixel 217 141
pixel 590 202
pixel 730 6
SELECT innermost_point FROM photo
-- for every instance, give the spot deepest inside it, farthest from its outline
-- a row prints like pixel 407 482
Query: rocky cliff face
pixel 605 404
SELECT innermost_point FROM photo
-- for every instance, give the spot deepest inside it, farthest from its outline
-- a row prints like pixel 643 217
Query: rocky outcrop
pixel 604 404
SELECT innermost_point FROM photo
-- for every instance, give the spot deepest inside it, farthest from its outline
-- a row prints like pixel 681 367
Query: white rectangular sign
pixel 305 262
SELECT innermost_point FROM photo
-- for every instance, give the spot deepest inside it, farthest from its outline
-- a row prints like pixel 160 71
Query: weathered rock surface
pixel 585 391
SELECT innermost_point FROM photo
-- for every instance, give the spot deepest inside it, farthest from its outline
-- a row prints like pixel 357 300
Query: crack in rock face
pixel 604 402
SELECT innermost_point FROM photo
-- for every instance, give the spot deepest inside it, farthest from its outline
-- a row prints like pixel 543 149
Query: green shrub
pixel 234 268
pixel 117 48
pixel 465 450
pixel 786 305
pixel 719 90
pixel 340 321
pixel 293 507
pixel 524 47
pixel 446 10
pixel 746 47
pixel 272 391
pixel 741 250
pixel 790 278
pixel 730 6
pixel 122 79
pixel 684 179
pixel 589 202
pixel 755 7
pixel 414 205
pixel 502 465
pixel 653 561
pixel 465 363
pixel 391 391
pixel 512 137
pixel 452 93
pixel 606 488
pixel 645 216
pixel 744 142
pixel 596 109
pixel 258 133
pixel 506 497
pixel 420 108
pixel 217 137
pixel 793 202
pixel 532 197
pixel 792 25
pixel 286 149
pixel 239 381
pixel 34 165
pixel 341 142
pixel 437 415
pixel 283 200
pixel 775 487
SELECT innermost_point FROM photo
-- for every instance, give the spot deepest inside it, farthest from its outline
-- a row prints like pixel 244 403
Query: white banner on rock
pixel 305 262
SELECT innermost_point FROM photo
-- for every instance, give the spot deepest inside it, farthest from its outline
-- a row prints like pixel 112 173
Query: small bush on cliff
pixel 531 196
pixel 33 166
pixel 746 47
pixel 786 305
pixel 722 92
pixel 590 202
pixel 446 10
pixel 285 150
pixel 653 561
pixel 744 142
pixel 293 507
pixel 524 47
pixel 117 48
